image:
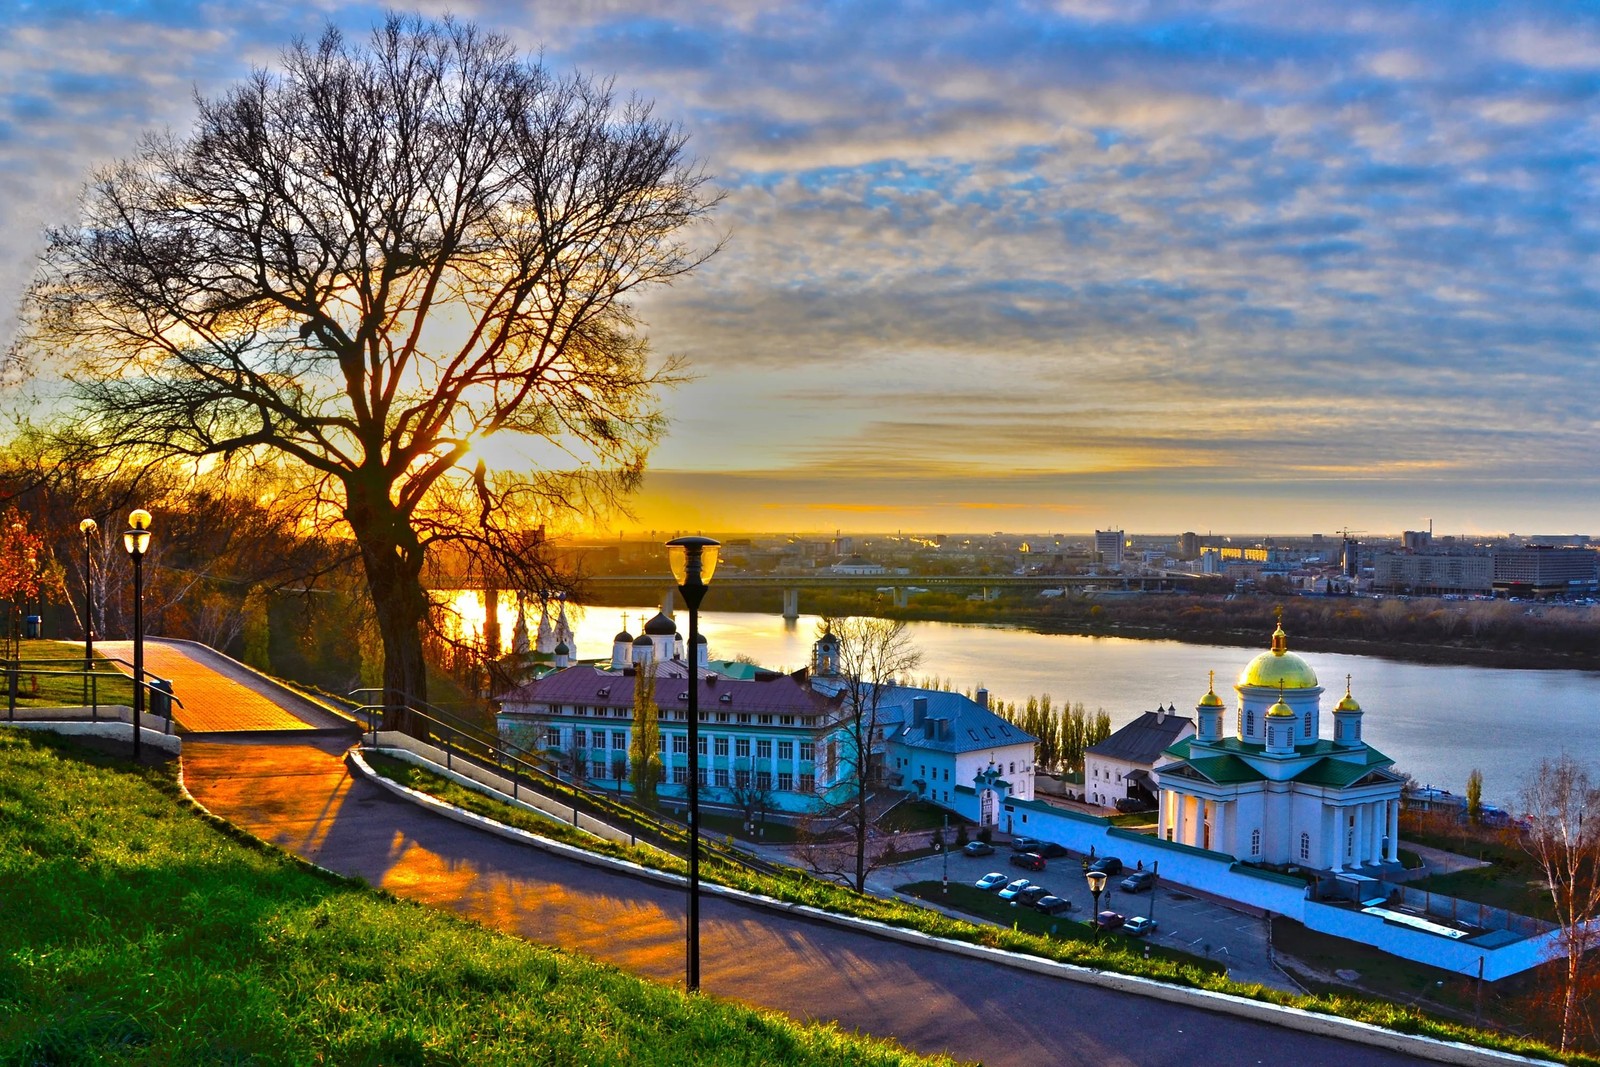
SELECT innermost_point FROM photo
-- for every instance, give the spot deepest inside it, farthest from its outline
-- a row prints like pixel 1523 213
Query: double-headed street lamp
pixel 88 527
pixel 694 560
pixel 1097 883
pixel 136 539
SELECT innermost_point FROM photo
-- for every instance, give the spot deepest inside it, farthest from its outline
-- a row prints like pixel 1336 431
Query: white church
pixel 1278 791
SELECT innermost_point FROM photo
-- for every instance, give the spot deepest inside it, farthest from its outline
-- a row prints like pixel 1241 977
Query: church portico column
pixel 1394 831
pixel 1333 846
pixel 1376 825
pixel 1358 841
pixel 1182 814
pixel 1219 826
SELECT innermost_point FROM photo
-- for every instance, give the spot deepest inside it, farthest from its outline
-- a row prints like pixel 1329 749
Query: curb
pixel 1355 1031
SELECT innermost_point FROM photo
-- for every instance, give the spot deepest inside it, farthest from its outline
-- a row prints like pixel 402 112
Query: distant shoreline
pixel 1248 628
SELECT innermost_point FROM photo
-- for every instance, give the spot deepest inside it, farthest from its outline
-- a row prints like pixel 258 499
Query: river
pixel 1437 723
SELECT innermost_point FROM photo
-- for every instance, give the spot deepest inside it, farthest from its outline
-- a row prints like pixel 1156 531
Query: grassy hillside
pixel 138 931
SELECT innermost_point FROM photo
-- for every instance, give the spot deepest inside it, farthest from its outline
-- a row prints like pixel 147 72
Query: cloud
pixel 1099 239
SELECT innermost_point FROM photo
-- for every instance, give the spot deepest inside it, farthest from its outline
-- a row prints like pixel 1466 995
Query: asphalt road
pixel 296 793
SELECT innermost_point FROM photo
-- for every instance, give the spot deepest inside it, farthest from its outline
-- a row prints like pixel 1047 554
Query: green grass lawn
pixel 137 931
pixel 44 687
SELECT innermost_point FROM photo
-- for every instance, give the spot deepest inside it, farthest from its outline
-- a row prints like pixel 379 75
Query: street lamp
pixel 694 560
pixel 136 539
pixel 1097 882
pixel 944 847
pixel 88 527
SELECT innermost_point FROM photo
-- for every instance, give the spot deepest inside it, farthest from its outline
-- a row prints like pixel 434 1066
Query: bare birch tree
pixel 1561 806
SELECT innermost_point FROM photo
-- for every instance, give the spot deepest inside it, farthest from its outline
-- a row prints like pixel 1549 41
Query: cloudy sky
pixel 1244 267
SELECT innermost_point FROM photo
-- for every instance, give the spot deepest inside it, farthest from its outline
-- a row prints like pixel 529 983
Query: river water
pixel 1437 723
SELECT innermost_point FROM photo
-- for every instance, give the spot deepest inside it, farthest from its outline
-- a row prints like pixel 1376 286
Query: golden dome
pixel 1279 668
pixel 1211 700
pixel 1280 710
pixel 1349 702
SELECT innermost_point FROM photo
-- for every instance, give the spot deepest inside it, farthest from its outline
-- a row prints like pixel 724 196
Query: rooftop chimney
pixel 983 698
pixel 919 710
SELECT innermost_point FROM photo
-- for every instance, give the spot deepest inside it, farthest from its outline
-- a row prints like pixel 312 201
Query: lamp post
pixel 88 527
pixel 136 539
pixel 1097 882
pixel 944 847
pixel 694 560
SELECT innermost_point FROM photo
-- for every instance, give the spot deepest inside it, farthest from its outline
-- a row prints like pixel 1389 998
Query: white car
pixel 1013 888
pixel 1138 926
pixel 992 880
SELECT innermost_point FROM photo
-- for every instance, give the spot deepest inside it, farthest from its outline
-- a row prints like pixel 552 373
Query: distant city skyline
pixel 1027 266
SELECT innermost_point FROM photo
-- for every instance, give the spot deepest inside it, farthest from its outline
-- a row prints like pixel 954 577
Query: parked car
pixel 1051 851
pixel 992 880
pixel 1031 861
pixel 1132 805
pixel 1025 844
pixel 1013 888
pixel 977 848
pixel 1138 882
pixel 1107 865
pixel 1138 926
pixel 1032 895
pixel 1110 920
pixel 1052 905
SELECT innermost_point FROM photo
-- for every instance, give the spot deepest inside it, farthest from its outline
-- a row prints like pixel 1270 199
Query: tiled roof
pixel 973 727
pixel 1143 739
pixel 779 694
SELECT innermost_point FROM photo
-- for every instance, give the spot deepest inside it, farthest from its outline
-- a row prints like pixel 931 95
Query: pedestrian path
pixel 219 695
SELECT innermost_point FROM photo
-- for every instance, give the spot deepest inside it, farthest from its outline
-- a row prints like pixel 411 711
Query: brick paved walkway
pixel 218 696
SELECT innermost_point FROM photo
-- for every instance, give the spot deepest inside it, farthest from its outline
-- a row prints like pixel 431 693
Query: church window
pixel 1305 847
pixel 1255 842
pixel 1308 726
pixel 1249 722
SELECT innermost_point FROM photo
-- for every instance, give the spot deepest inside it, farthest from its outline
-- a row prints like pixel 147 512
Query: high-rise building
pixel 1108 548
pixel 1189 545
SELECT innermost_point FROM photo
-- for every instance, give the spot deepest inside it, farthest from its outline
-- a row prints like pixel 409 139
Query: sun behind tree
pixel 360 264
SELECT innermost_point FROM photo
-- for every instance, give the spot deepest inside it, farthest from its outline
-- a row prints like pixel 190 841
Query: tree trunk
pixel 393 560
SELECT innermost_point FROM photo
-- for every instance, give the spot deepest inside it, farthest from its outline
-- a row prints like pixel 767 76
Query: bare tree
pixel 359 267
pixel 1562 834
pixel 873 653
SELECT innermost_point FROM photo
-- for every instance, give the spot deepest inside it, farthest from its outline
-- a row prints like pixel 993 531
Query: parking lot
pixel 1187 921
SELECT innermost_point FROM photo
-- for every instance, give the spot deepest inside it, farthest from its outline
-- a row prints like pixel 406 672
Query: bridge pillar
pixel 901 597
pixel 791 603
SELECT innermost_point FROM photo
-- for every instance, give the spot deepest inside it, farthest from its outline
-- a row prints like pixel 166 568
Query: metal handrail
pixel 13 670
pixel 664 832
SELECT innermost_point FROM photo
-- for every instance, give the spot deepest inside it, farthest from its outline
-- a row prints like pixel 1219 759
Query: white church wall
pixel 1436 951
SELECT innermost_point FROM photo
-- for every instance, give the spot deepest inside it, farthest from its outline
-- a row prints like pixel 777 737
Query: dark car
pixel 1133 805
pixel 1052 905
pixel 1138 882
pixel 1107 865
pixel 1032 895
pixel 1025 844
pixel 1031 861
pixel 976 848
pixel 1109 920
pixel 1051 851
